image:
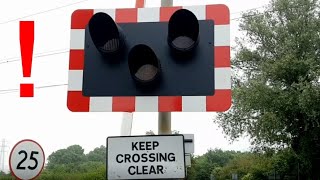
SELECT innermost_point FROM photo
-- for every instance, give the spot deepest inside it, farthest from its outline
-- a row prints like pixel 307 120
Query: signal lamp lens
pixel 143 64
pixel 183 31
pixel 105 33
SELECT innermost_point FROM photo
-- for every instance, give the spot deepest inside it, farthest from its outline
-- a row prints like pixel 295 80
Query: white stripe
pixel 110 12
pixel 198 11
pixel 146 103
pixel 222 78
pixel 100 104
pixel 222 35
pixel 75 80
pixel 149 14
pixel 151 3
pixel 194 103
pixel 126 125
pixel 77 39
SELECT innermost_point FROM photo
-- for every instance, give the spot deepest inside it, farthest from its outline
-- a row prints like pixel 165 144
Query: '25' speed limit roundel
pixel 26 159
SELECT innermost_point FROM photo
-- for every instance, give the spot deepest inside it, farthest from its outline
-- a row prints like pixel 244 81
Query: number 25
pixel 25 158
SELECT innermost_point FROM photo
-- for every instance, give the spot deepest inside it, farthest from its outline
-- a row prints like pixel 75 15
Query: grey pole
pixel 165 3
pixel 164 119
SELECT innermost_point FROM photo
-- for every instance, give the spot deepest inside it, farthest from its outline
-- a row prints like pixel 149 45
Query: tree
pixel 68 158
pixel 285 163
pixel 276 94
pixel 202 166
pixel 246 166
pixel 97 155
pixel 72 163
pixel 150 132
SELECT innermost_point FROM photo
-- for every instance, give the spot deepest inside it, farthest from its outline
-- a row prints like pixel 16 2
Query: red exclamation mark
pixel 26 47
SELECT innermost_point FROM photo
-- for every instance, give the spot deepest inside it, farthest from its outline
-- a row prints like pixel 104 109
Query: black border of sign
pixel 44 158
pixel 184 152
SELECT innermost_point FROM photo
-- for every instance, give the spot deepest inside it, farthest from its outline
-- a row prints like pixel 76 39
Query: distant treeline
pixel 72 163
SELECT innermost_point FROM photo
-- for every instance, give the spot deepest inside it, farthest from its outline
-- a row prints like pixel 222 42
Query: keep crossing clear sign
pixel 146 157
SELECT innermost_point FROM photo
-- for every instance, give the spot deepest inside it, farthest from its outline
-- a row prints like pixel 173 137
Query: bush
pixel 98 173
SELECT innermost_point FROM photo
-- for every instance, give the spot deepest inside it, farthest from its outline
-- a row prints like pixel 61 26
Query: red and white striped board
pixel 219 102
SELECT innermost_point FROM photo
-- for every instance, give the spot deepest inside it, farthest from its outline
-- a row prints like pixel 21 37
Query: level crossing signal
pixel 150 59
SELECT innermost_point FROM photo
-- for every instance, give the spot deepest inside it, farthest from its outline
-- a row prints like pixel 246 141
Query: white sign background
pixel 167 144
pixel 15 158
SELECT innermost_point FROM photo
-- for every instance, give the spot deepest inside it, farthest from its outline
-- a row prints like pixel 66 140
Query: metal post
pixel 165 3
pixel 2 154
pixel 164 123
pixel 164 119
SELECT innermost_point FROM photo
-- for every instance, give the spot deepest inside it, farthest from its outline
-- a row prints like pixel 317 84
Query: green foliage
pixel 246 165
pixel 150 132
pixel 98 174
pixel 217 163
pixel 71 156
pixel 72 163
pixel 202 166
pixel 276 96
pixel 248 176
pixel 4 176
pixel 285 161
pixel 97 155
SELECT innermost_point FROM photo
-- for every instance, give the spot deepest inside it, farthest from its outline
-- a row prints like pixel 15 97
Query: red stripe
pixel 80 18
pixel 139 3
pixel 220 101
pixel 167 103
pixel 123 104
pixel 218 13
pixel 76 60
pixel 76 102
pixel 126 15
pixel 222 56
pixel 166 12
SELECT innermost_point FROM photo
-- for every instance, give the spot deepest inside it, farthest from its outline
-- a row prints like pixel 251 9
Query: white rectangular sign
pixel 146 157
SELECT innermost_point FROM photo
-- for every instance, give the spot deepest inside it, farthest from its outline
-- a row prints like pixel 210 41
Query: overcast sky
pixel 45 118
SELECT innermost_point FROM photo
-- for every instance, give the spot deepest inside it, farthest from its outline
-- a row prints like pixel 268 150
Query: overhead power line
pixel 48 53
pixel 249 9
pixel 42 12
pixel 262 13
pixel 51 53
pixel 7 91
pixel 238 18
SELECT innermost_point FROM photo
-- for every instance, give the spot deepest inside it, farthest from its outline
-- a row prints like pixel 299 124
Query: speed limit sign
pixel 26 160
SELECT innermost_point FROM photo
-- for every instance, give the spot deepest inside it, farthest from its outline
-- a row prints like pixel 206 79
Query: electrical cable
pixel 249 9
pixel 258 14
pixel 7 91
pixel 48 53
pixel 42 12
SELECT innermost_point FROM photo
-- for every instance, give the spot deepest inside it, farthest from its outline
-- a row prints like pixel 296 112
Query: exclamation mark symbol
pixel 26 47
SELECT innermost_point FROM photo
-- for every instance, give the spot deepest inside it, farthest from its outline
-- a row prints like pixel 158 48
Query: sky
pixel 45 117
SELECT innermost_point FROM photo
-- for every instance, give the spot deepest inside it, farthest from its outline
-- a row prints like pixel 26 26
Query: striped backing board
pixel 219 102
